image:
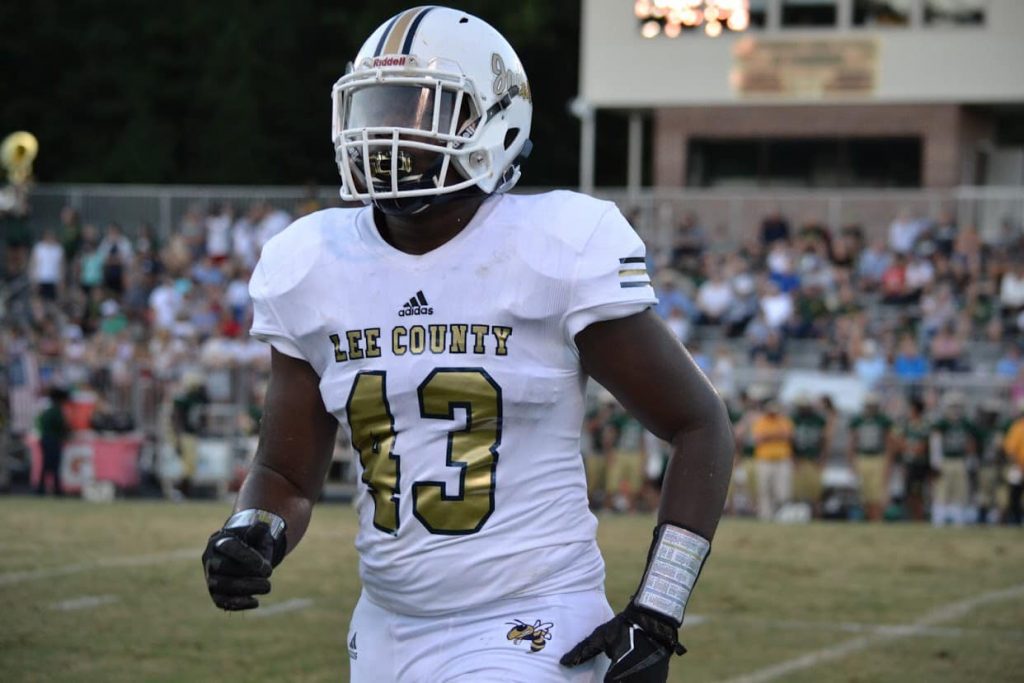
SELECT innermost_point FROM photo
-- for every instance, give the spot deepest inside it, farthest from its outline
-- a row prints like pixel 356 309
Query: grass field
pixel 115 593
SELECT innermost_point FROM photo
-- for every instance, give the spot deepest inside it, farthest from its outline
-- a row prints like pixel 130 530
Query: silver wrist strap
pixel 245 518
pixel 672 571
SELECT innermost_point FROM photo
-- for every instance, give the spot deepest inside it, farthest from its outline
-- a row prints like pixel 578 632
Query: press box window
pixel 804 162
pixel 758 13
pixel 882 13
pixel 808 13
pixel 954 12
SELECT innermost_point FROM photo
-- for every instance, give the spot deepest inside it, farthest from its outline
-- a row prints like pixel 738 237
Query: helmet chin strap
pixel 411 206
pixel 408 206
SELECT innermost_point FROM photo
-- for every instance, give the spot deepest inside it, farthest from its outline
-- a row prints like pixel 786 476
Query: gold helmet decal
pixel 506 78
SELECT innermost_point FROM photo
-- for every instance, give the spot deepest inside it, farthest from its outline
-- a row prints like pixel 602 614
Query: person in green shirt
pixel 188 419
pixel 743 486
pixel 592 446
pixel 622 439
pixel 54 430
pixel 70 232
pixel 809 427
pixel 953 444
pixel 812 313
pixel 910 452
pixel 991 430
pixel 870 437
pixel 90 263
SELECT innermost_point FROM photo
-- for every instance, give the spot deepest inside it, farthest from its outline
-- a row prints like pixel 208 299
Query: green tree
pixel 233 91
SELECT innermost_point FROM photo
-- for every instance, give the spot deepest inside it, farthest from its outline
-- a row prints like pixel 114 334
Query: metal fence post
pixel 735 213
pixel 834 205
pixel 934 204
pixel 165 215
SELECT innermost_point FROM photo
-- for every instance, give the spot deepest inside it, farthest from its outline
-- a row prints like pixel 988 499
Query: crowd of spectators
pixel 129 319
pixel 126 320
pixel 926 300
pixel 930 297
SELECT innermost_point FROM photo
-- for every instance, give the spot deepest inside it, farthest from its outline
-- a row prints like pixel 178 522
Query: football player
pixel 953 443
pixel 910 453
pixel 991 430
pixel 811 432
pixel 449 327
pixel 871 438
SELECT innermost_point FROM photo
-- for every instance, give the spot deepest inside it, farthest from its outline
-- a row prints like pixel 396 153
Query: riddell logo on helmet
pixel 390 61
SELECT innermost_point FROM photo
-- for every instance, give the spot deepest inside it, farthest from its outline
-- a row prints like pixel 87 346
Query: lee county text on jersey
pixel 474 338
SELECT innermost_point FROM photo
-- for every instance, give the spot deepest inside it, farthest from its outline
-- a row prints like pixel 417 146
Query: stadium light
pixel 672 17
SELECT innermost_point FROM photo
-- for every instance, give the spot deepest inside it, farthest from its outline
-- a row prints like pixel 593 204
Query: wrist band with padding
pixel 673 565
pixel 277 525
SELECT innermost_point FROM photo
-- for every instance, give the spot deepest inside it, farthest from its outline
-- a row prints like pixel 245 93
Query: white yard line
pixel 83 602
pixel 945 613
pixel 10 578
pixel 293 605
pixel 855 627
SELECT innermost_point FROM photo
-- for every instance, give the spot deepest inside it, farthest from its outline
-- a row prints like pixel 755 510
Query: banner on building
pixel 818 69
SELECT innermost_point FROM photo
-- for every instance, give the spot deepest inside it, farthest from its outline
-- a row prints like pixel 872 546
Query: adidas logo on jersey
pixel 417 305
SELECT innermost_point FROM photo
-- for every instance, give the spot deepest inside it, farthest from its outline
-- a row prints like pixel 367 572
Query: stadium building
pixel 908 98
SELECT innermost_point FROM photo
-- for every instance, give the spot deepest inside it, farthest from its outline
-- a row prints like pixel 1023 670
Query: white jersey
pixel 457 377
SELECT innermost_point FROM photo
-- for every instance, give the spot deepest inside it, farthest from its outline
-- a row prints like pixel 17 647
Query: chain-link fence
pixel 729 215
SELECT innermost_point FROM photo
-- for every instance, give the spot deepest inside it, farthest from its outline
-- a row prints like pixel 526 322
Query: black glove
pixel 239 558
pixel 641 639
pixel 638 642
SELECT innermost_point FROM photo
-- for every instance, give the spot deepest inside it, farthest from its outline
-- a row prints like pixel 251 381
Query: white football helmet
pixel 436 105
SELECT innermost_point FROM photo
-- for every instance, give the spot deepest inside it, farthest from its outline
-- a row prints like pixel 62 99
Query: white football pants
pixel 519 639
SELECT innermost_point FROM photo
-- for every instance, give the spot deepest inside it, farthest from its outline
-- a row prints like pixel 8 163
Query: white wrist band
pixel 675 563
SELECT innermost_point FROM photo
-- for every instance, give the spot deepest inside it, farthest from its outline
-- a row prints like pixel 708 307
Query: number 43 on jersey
pixel 473 449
